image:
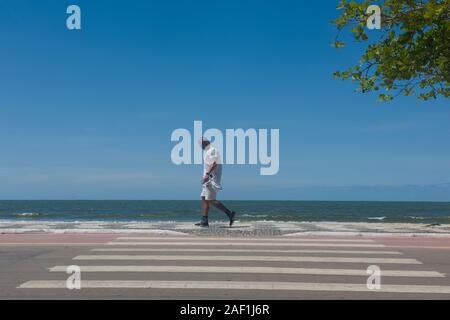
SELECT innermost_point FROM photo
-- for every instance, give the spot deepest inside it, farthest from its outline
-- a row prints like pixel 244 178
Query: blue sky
pixel 88 114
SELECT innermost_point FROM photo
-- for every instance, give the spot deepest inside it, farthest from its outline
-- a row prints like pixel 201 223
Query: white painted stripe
pixel 246 250
pixel 247 258
pixel 274 239
pixel 51 243
pixel 240 270
pixel 237 285
pixel 422 247
pixel 278 244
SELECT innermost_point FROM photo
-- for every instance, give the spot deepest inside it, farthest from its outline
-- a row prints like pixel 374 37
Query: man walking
pixel 212 174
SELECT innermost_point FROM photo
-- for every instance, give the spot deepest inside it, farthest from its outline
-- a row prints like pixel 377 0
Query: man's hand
pixel 206 177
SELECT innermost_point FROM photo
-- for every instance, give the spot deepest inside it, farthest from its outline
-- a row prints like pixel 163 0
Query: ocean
pixel 298 211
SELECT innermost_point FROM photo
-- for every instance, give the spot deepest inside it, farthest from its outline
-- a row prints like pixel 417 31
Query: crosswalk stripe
pixel 246 250
pixel 51 243
pixel 249 239
pixel 238 285
pixel 287 244
pixel 240 270
pixel 247 258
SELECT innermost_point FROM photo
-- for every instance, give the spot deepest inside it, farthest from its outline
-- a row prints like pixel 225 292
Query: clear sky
pixel 88 114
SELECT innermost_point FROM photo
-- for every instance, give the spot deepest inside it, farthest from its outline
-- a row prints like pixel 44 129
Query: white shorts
pixel 209 192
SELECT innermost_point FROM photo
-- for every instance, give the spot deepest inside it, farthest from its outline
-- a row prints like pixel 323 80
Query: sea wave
pixel 376 218
pixel 27 214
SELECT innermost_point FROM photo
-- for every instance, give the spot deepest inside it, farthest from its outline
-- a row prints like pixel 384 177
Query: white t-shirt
pixel 211 156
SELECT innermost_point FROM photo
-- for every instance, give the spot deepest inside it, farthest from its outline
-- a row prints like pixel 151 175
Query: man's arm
pixel 208 172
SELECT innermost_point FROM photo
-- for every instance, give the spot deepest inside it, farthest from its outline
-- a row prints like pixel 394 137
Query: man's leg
pixel 219 205
pixel 205 207
pixel 205 211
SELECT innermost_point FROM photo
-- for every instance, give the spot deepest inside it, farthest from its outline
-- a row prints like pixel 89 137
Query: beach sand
pixel 220 228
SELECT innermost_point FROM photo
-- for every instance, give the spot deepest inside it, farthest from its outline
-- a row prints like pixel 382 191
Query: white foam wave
pixel 27 214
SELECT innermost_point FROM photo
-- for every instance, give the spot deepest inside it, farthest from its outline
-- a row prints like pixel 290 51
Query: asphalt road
pixel 33 266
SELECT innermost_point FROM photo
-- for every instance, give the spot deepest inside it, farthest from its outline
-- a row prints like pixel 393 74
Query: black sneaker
pixel 203 223
pixel 232 217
